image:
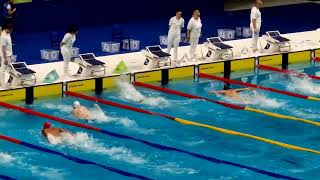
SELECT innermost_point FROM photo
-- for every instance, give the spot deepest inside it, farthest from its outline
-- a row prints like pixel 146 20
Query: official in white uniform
pixel 176 23
pixel 6 51
pixel 66 47
pixel 255 23
pixel 194 32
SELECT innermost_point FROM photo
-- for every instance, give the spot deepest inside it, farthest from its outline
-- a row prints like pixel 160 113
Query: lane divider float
pixel 191 123
pixel 207 76
pixel 148 143
pixel 4 177
pixel 233 106
pixel 72 158
pixel 285 71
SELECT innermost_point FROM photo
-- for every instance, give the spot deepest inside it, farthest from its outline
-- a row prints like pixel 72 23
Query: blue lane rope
pixel 83 161
pixel 6 177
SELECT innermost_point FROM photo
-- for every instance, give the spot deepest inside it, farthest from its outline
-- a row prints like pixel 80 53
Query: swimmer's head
pixel 76 104
pixel 46 125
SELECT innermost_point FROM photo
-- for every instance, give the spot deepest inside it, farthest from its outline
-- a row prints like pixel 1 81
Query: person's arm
pixel 189 27
pixel 170 23
pixel 66 38
pixel 254 18
pixel 11 11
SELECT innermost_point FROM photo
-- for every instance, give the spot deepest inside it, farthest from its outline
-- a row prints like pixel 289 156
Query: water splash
pixel 6 158
pixel 61 107
pixel 255 98
pixel 128 92
pixel 84 142
pixel 303 85
pixel 259 99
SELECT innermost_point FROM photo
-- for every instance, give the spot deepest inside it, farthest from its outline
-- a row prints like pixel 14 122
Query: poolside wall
pixel 222 68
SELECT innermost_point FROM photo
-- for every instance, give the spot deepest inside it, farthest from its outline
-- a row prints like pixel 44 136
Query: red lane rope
pixel 6 138
pixel 285 71
pixel 317 59
pixel 202 75
pixel 46 116
pixel 110 103
pixel 182 94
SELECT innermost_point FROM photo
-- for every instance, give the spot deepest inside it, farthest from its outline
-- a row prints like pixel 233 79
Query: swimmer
pixel 80 112
pixel 232 93
pixel 49 132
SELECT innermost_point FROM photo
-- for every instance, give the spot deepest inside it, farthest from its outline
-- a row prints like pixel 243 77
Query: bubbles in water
pixel 61 107
pixel 129 92
pixel 82 141
pixel 6 158
pixel 303 85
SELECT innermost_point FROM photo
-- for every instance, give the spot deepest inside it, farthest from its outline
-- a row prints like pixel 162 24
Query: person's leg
pixel 66 59
pixel 176 46
pixel 170 43
pixel 254 42
pixel 193 46
pixel 2 72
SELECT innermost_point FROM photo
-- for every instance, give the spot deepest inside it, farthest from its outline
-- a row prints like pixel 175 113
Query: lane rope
pixel 191 123
pixel 285 71
pixel 148 143
pixel 233 106
pixel 72 158
pixel 207 76
pixel 6 177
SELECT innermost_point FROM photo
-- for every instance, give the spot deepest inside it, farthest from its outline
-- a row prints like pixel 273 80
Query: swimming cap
pixel 46 125
pixel 76 104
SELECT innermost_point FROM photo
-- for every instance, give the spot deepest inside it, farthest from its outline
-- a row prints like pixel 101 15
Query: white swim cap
pixel 76 104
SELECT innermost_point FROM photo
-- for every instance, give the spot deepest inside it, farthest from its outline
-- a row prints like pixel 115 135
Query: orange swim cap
pixel 46 125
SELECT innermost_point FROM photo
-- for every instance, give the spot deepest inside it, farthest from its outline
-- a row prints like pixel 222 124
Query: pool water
pixel 24 163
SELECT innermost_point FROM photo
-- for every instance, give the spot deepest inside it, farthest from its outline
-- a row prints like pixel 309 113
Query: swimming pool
pixel 138 158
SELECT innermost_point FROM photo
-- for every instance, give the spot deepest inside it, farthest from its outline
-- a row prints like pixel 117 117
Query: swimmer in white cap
pixel 80 112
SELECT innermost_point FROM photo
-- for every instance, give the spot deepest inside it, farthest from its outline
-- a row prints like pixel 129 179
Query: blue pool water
pixel 24 163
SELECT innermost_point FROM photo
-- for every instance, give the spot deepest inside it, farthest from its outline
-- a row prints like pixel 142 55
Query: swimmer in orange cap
pixel 48 131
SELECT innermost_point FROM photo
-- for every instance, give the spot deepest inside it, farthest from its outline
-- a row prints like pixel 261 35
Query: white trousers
pixel 173 41
pixel 193 46
pixel 66 54
pixel 255 38
pixel 3 69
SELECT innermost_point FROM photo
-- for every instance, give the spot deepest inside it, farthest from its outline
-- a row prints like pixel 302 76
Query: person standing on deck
pixel 66 48
pixel 194 32
pixel 5 51
pixel 176 23
pixel 255 23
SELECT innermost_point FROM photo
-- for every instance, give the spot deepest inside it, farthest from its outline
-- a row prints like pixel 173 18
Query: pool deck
pixel 300 41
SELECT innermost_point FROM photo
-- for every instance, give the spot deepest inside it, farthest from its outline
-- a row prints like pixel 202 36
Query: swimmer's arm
pixel 244 89
pixel 217 92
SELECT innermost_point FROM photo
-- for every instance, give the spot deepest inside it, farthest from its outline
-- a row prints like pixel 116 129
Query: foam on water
pixel 61 107
pixel 303 85
pixel 128 92
pixel 44 172
pixel 255 98
pixel 84 142
pixel 6 158
pixel 174 168
pixel 261 100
